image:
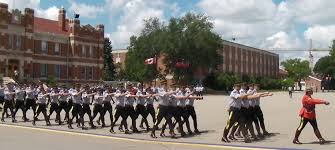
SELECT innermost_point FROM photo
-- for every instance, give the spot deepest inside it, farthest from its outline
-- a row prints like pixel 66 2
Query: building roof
pixel 314 78
pixel 49 26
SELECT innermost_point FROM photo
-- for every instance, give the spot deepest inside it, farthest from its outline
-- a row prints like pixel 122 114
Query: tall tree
pixel 297 69
pixel 146 45
pixel 326 64
pixel 191 38
pixel 109 68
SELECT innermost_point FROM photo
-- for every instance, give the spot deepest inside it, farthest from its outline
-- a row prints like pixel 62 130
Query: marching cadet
pixel 129 107
pixel 120 96
pixel 190 110
pixel 163 111
pixel 140 105
pixel 63 104
pixel 252 111
pixel 19 102
pixel 235 118
pixel 174 112
pixel 9 100
pixel 2 94
pixel 107 106
pixel 30 99
pixel 259 112
pixel 87 97
pixel 42 106
pixel 77 108
pixel 149 106
pixel 308 115
pixel 181 108
pixel 98 98
pixel 54 100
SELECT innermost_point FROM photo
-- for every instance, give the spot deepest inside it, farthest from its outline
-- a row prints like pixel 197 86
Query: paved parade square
pixel 280 113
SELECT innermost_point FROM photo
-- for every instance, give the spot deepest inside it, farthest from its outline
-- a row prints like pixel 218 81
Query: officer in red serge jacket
pixel 307 114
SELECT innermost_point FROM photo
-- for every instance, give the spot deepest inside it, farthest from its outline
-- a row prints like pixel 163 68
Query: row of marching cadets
pixel 244 111
pixel 174 105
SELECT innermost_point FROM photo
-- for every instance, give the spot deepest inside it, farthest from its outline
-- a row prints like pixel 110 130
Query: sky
pixel 265 24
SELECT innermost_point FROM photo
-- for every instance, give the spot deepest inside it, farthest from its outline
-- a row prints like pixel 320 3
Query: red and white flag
pixel 150 61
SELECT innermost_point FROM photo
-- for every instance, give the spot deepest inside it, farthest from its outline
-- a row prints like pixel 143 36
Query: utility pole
pixel 311 57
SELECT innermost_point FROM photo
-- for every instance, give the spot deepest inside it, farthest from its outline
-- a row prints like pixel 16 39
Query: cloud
pixel 321 35
pixel 86 10
pixel 132 14
pixel 49 13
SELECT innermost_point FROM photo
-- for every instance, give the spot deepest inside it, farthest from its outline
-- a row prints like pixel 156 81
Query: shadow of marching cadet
pixel 317 142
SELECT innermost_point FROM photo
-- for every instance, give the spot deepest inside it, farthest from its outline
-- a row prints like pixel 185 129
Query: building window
pixel 83 51
pixel 56 48
pixel 83 73
pixel 91 51
pixel 57 71
pixel 18 42
pixel 89 73
pixel 44 71
pixel 11 41
pixel 44 46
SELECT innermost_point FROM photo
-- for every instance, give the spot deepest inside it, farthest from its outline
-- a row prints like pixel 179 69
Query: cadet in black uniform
pixel 63 104
pixel 42 106
pixel 120 109
pixel 54 97
pixel 163 111
pixel 19 102
pixel 98 98
pixel 87 97
pixel 9 101
pixel 106 103
pixel 149 107
pixel 77 108
pixel 30 101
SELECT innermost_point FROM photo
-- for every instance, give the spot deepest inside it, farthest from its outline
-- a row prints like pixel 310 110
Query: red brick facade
pixel 39 48
pixel 243 60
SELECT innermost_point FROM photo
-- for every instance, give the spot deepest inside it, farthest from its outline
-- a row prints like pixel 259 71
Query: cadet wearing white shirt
pixel 190 110
pixel 149 105
pixel 8 100
pixel 120 95
pixel 30 98
pixel 2 94
pixel 19 102
pixel 77 108
pixel 97 102
pixel 163 111
pixel 106 103
pixel 64 96
pixel 140 107
pixel 54 100
pixel 87 99
pixel 42 106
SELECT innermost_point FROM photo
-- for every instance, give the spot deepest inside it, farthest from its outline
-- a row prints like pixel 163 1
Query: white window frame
pixel 41 70
pixel 57 49
pixel 44 47
pixel 57 71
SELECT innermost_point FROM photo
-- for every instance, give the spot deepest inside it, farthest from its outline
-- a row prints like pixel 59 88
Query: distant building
pixel 39 48
pixel 119 57
pixel 244 60
pixel 313 82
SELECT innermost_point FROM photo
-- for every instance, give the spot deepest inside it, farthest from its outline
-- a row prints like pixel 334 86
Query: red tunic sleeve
pixel 308 109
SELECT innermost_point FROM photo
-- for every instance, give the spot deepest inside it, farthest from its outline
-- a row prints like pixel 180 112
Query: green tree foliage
pixel 191 38
pixel 188 38
pixel 109 68
pixel 326 65
pixel 51 81
pixel 146 45
pixel 297 69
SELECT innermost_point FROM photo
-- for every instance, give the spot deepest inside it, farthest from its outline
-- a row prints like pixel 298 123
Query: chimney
pixel 62 19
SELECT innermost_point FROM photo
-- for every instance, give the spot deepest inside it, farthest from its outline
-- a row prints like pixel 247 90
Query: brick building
pixel 244 60
pixel 39 48
pixel 238 59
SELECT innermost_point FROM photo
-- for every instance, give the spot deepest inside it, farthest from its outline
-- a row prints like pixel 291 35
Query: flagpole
pixel 155 61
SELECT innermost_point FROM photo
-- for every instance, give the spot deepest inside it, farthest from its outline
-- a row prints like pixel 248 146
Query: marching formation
pixel 174 105
pixel 244 110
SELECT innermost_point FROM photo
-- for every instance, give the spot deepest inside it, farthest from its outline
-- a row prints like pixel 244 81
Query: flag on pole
pixel 150 61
